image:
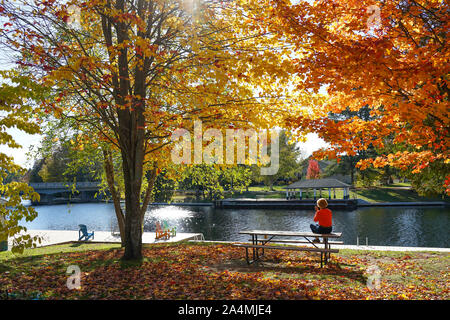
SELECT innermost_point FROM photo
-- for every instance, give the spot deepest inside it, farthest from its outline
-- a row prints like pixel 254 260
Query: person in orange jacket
pixel 323 217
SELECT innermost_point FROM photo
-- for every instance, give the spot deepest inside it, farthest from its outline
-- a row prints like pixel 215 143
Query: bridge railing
pixel 59 185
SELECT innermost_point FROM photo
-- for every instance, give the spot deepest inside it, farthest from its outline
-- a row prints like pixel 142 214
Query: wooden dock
pixel 309 204
pixel 306 204
pixel 52 237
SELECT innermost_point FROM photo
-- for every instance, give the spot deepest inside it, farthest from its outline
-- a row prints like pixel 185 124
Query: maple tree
pixel 389 55
pixel 313 171
pixel 131 72
pixel 347 163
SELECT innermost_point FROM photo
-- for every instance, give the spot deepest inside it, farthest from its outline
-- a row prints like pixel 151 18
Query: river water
pixel 382 226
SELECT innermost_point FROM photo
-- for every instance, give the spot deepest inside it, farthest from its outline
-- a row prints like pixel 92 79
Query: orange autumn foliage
pixel 390 55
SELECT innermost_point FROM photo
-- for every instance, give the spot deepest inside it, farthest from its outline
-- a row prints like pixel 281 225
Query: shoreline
pixel 345 204
pixel 58 237
pixel 404 204
pixel 263 203
pixel 254 203
pixel 356 247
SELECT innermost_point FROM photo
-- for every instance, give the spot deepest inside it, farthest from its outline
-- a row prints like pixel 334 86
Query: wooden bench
pixel 298 241
pixel 269 238
pixel 323 252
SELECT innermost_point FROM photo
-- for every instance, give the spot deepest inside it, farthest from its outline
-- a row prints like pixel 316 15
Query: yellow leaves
pixel 123 45
pixel 62 73
pixel 145 46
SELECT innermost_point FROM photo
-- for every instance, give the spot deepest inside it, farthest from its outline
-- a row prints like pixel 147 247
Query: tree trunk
pixel 130 127
pixel 148 194
pixel 197 195
pixel 133 219
pixel 109 170
pixel 132 138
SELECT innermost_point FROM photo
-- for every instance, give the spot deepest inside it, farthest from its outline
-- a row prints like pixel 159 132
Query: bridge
pixel 64 192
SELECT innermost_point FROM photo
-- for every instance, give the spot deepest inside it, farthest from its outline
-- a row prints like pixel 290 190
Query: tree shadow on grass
pixel 76 244
pixel 391 194
pixel 59 260
pixel 5 268
pixel 300 268
pixel 129 264
pixel 26 261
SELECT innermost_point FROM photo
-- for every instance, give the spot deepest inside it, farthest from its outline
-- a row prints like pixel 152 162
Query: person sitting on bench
pixel 324 218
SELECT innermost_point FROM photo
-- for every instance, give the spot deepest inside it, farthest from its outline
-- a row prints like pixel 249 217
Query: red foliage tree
pixel 313 171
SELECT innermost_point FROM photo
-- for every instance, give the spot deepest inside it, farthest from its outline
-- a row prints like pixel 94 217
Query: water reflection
pixel 422 227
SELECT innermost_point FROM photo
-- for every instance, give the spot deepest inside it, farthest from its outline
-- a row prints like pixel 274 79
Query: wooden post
pixel 300 194
pixel 246 255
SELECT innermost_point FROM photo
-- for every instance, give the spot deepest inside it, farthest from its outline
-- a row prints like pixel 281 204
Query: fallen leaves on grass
pixel 192 271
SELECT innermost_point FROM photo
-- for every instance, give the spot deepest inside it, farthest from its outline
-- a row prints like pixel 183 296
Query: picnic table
pixel 269 237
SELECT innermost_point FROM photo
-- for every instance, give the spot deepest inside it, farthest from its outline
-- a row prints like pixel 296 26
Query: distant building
pixel 329 184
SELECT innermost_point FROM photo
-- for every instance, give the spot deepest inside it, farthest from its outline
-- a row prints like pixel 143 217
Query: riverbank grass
pixel 392 193
pixel 218 271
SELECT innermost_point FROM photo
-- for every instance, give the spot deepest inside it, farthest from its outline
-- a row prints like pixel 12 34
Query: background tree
pixel 33 174
pixel 236 178
pixel 17 97
pixel 211 181
pixel 59 167
pixel 429 182
pixel 289 161
pixel 347 164
pixel 164 187
pixel 313 171
pixel 204 179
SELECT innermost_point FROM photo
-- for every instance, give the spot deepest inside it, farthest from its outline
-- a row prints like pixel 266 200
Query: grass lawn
pixel 392 193
pixel 219 271
pixel 399 192
pixel 264 188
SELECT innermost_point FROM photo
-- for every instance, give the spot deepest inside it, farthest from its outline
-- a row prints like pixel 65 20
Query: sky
pixel 26 141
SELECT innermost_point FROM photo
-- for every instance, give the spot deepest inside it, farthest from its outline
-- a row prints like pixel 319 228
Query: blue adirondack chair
pixel 173 230
pixel 82 233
